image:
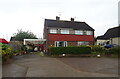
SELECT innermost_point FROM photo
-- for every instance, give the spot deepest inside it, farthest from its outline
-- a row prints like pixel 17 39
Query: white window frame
pixel 84 43
pixel 88 32
pixel 53 30
pixel 64 31
pixel 57 43
pixel 78 32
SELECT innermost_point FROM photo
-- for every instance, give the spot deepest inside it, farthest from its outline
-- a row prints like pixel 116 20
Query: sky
pixel 30 14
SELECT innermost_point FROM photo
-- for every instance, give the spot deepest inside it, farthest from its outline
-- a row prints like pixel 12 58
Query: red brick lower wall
pixel 69 43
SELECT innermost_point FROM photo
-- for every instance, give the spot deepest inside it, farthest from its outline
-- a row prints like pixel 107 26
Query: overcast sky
pixel 30 14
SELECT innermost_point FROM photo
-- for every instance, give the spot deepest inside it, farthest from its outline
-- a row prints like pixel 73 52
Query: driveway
pixel 94 65
pixel 36 66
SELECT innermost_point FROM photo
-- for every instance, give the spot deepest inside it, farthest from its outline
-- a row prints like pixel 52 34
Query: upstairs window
pixel 78 32
pixel 64 31
pixel 53 31
pixel 88 32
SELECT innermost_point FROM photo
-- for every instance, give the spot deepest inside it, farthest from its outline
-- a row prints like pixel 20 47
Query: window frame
pixel 84 43
pixel 53 31
pixel 57 43
pixel 64 31
pixel 79 32
pixel 88 32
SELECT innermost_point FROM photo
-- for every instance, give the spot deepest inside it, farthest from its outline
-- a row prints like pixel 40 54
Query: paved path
pixel 36 66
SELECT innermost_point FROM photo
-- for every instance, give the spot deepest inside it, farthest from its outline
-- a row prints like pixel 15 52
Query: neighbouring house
pixel 112 36
pixel 61 33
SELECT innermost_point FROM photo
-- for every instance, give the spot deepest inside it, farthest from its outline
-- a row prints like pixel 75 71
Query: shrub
pixel 114 50
pixel 6 51
pixel 70 50
pixel 15 46
pixel 23 48
pixel 98 49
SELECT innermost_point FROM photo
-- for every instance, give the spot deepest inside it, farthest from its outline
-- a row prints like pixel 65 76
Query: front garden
pixel 93 51
pixel 7 52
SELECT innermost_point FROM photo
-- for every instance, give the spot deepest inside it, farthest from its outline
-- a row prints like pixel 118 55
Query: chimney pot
pixel 57 18
pixel 72 19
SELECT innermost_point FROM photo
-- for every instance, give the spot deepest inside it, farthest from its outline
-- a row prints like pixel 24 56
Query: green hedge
pixel 70 50
pixel 114 50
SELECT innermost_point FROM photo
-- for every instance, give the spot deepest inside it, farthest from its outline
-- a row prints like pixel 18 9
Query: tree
pixel 21 35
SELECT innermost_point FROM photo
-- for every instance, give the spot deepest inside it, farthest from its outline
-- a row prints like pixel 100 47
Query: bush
pixel 21 50
pixel 114 50
pixel 98 49
pixel 70 50
pixel 6 51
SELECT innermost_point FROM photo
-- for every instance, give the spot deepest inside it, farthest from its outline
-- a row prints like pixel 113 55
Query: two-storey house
pixel 60 33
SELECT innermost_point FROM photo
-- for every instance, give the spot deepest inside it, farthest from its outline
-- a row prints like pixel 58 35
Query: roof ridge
pixel 113 27
pixel 66 20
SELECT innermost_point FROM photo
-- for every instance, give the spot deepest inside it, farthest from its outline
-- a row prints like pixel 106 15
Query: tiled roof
pixel 111 33
pixel 67 24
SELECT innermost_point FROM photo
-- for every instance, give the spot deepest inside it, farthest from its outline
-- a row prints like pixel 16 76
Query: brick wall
pixel 72 43
pixel 69 43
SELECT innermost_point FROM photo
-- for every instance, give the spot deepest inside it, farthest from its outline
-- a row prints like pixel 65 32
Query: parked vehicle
pixel 110 45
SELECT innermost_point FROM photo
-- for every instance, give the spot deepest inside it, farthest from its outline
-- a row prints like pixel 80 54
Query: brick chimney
pixel 72 19
pixel 57 18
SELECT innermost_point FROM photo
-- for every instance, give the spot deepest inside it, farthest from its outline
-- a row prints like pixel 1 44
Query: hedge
pixel 70 50
pixel 114 50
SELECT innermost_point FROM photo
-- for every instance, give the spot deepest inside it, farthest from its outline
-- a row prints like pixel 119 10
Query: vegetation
pixel 16 46
pixel 94 50
pixel 114 50
pixel 111 52
pixel 70 50
pixel 21 35
pixel 6 52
